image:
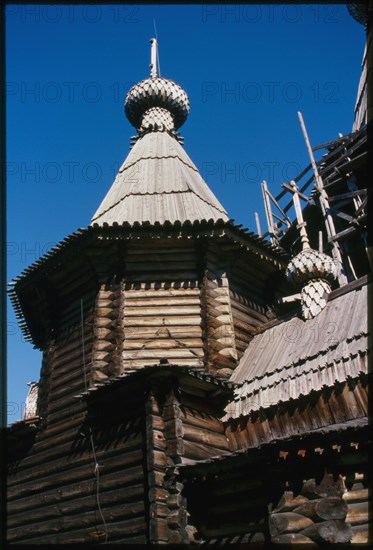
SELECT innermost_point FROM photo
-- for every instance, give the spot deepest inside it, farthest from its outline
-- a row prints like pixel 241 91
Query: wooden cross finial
pixel 298 211
pixel 153 57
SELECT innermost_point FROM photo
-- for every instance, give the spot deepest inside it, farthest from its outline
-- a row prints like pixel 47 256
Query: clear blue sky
pixel 247 70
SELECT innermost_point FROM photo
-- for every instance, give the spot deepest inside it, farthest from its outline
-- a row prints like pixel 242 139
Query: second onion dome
pixel 310 264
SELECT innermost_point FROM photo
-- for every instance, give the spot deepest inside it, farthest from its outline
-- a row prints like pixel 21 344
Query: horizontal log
pixel 105 322
pixel 169 261
pixel 157 459
pixel 331 531
pixel 356 495
pixel 162 301
pixel 198 419
pixel 294 538
pixel 107 294
pixel 130 497
pixel 102 302
pixel 201 435
pixel 161 293
pixel 199 451
pixel 235 528
pixel 75 353
pixel 169 353
pixel 193 401
pixel 246 326
pixel 164 332
pixel 358 513
pixel 67 402
pixel 116 529
pixel 102 333
pixel 64 428
pixel 75 386
pixel 323 509
pixel 67 343
pixel 35 479
pixel 170 310
pixel 72 490
pixel 220 361
pixel 168 343
pixel 63 413
pixel 165 276
pixel 288 502
pixel 190 361
pixel 170 321
pixel 63 378
pixel 360 534
pixel 244 313
pixel 326 488
pixel 285 522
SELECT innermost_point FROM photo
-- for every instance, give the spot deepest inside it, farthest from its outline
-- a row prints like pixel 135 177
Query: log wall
pixel 108 332
pixel 203 434
pixel 316 514
pixel 52 489
pixel 229 508
pixel 161 305
pixel 358 500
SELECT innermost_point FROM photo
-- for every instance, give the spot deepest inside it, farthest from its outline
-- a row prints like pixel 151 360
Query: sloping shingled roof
pixel 158 182
pixel 295 357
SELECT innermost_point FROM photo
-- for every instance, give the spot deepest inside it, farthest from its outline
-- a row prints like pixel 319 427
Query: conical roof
pixel 158 182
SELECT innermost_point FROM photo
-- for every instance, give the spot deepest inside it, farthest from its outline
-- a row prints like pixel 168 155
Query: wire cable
pixel 97 466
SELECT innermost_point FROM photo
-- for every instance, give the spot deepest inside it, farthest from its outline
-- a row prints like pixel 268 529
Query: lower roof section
pixel 295 357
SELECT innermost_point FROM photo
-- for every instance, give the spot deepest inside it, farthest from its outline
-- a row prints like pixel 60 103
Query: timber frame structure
pixel 200 384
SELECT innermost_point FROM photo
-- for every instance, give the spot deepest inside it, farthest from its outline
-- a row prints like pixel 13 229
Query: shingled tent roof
pixel 158 182
pixel 296 357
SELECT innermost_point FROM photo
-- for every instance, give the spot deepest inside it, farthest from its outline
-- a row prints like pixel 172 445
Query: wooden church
pixel 199 384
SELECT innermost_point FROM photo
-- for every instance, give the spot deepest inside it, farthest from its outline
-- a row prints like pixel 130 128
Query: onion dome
pixel 157 103
pixel 310 264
